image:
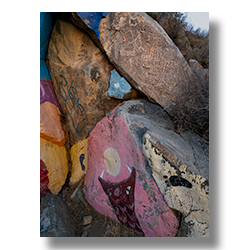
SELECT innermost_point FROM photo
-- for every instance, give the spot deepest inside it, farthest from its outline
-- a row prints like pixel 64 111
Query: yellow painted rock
pixel 79 159
pixel 55 159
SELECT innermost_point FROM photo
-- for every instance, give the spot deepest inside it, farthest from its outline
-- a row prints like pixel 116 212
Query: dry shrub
pixel 192 112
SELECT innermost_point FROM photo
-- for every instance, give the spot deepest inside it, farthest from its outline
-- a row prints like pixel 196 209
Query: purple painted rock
pixel 118 182
pixel 80 77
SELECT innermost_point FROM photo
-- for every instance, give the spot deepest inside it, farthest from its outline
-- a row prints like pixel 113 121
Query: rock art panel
pixel 143 53
pixel 53 165
pixel 79 159
pixel 80 78
pixel 118 182
pixel 184 190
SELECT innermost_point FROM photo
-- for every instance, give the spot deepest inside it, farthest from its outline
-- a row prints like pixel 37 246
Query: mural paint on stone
pixel 79 159
pixel 154 216
pixel 121 196
pixel 118 86
pixel 92 20
pixel 44 180
pixel 55 159
pixel 47 93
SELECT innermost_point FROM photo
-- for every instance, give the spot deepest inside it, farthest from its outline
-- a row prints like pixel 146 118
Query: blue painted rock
pixel 88 21
pixel 80 77
pixel 120 88
pixel 143 53
pixel 46 24
pixel 118 182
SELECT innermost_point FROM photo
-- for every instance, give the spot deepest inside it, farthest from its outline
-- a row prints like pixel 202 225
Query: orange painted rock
pixel 50 124
pixel 80 77
pixel 118 182
pixel 54 167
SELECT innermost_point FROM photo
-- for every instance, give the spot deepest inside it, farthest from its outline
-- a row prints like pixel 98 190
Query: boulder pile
pixel 110 86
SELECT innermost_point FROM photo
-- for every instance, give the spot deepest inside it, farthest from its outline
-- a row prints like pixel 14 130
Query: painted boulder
pixel 119 183
pixel 53 167
pixel 80 78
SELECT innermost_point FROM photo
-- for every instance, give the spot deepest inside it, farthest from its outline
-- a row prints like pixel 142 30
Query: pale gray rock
pixel 182 180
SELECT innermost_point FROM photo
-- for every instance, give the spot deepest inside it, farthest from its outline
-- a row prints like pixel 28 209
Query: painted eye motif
pixel 128 190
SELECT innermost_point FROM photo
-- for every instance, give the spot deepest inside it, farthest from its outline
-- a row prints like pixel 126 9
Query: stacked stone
pixel 117 77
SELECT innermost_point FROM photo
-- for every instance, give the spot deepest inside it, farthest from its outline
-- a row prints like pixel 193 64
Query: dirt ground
pixel 100 226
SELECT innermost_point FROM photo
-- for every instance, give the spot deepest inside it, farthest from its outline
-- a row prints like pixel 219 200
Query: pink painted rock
pixel 119 183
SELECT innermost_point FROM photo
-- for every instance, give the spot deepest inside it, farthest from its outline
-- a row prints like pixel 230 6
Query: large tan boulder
pixel 80 78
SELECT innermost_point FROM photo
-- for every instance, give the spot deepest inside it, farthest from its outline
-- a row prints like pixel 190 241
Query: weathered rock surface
pixel 54 167
pixel 80 77
pixel 172 27
pixel 143 53
pixel 181 170
pixel 119 183
pixel 55 219
pixel 194 64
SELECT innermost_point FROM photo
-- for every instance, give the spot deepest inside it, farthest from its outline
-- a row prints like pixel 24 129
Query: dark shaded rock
pixel 55 219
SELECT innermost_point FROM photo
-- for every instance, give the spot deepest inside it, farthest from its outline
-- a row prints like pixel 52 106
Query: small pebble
pixel 86 220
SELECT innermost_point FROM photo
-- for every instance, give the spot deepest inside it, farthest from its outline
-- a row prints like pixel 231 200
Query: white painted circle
pixel 112 161
pixel 116 85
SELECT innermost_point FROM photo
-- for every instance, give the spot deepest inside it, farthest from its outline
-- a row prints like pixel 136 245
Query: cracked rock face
pixel 184 188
